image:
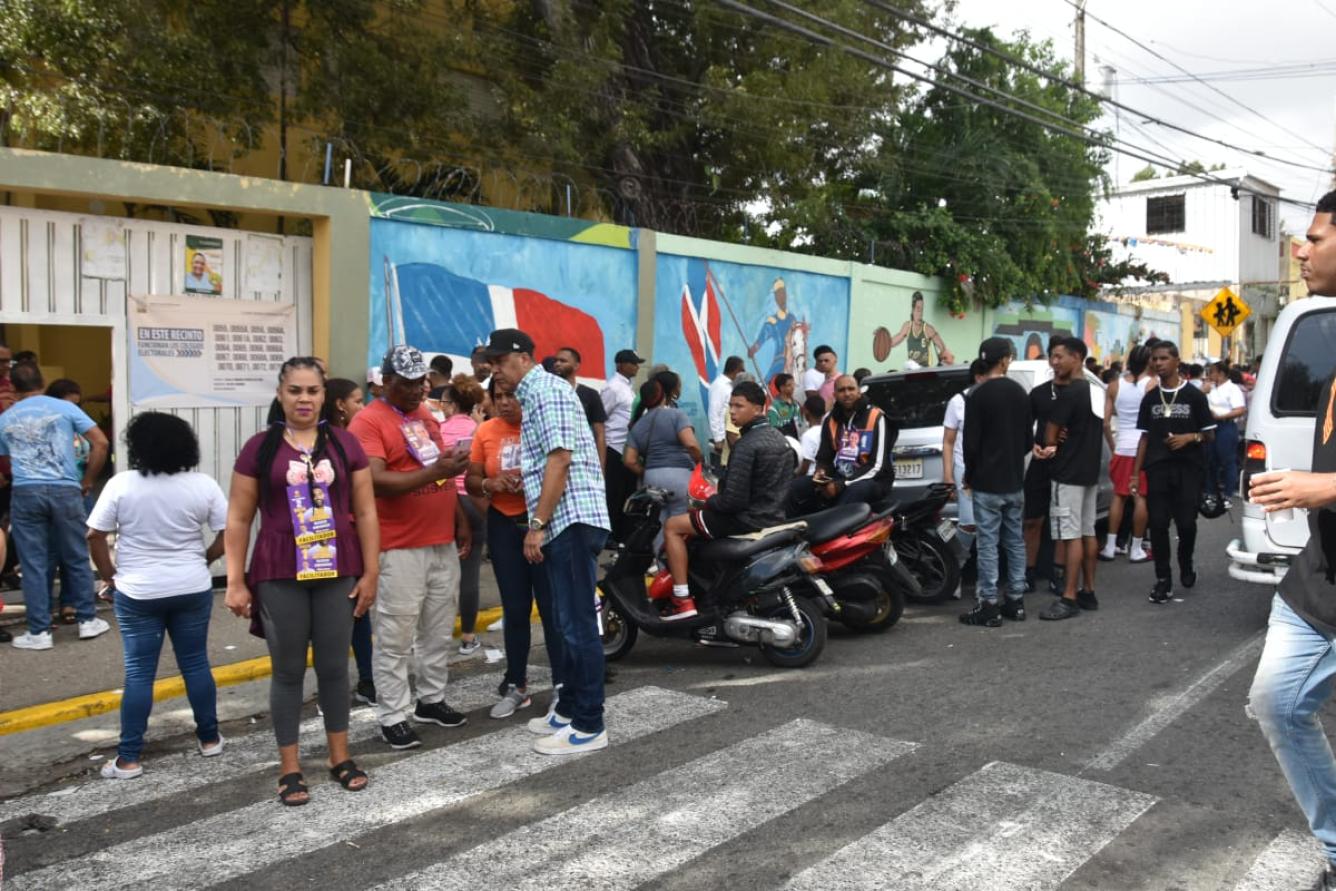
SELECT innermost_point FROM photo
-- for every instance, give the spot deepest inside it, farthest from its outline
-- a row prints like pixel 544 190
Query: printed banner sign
pixel 192 352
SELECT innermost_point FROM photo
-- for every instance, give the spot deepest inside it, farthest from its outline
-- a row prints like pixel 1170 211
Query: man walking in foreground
pixel 568 524
pixel 997 439
pixel 1298 664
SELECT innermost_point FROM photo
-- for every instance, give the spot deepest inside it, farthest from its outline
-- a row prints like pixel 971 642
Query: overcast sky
pixel 1205 38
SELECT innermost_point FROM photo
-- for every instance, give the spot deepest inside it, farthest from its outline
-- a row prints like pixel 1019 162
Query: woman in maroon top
pixel 311 484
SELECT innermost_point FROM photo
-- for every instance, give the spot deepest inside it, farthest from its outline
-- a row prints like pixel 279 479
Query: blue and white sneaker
pixel 548 724
pixel 569 741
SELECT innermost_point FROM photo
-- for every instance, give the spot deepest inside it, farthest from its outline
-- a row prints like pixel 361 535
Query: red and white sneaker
pixel 681 608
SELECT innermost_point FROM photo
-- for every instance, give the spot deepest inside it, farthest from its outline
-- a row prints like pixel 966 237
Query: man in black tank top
pixel 1294 676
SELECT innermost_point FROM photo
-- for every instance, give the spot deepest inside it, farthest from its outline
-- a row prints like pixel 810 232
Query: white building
pixel 1203 235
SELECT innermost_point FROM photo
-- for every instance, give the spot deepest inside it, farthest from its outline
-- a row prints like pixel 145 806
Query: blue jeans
pixel 186 618
pixel 1223 468
pixel 521 583
pixel 998 519
pixel 1293 681
pixel 47 519
pixel 572 571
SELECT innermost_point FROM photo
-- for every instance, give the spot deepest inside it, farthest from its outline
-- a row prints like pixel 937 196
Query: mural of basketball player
pixel 786 335
pixel 919 337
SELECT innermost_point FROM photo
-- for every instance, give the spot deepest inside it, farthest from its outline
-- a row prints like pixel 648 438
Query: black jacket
pixel 756 481
pixel 877 435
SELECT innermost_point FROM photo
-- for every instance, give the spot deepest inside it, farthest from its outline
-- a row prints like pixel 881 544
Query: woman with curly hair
pixel 461 402
pixel 157 509
pixel 307 578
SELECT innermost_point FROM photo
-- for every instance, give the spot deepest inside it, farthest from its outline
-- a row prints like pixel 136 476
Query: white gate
pixel 45 280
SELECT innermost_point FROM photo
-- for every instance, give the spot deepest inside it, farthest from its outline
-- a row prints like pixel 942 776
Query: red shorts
pixel 1120 473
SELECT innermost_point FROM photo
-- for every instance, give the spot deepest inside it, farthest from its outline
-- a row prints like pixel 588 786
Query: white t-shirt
pixel 808 446
pixel 955 419
pixel 812 380
pixel 1225 398
pixel 158 521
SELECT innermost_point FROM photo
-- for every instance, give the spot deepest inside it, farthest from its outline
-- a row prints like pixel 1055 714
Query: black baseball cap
pixel 995 349
pixel 628 357
pixel 508 340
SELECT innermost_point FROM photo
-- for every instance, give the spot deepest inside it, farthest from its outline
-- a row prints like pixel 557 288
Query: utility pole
pixel 1080 42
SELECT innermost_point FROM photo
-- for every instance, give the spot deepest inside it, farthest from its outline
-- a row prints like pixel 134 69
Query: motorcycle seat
pixel 835 521
pixel 724 550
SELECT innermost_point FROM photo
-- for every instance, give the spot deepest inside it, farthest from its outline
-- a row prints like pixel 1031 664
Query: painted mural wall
pixel 1108 330
pixel 444 289
pixel 896 318
pixel 708 310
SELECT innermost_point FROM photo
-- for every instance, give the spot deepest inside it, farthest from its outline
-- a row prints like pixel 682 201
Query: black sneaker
pixel 1087 600
pixel 985 614
pixel 400 736
pixel 1029 580
pixel 1163 591
pixel 1188 577
pixel 1013 609
pixel 1059 609
pixel 365 691
pixel 438 713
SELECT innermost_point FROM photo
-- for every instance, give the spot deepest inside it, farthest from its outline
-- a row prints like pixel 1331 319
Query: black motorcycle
pixel 926 546
pixel 755 591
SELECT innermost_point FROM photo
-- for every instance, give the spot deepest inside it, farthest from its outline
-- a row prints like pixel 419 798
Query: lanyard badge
pixel 312 511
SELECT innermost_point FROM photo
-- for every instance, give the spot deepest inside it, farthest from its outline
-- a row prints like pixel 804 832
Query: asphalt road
pixel 1107 751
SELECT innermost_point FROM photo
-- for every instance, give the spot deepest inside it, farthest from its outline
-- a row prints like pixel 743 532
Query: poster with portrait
pixel 204 266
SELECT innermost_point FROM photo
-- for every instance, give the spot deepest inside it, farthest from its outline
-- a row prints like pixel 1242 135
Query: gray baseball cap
pixel 406 362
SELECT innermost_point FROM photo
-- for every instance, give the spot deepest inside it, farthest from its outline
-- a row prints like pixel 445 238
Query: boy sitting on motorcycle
pixel 750 495
pixel 853 463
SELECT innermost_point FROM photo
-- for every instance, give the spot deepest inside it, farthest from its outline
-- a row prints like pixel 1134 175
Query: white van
pixel 1298 361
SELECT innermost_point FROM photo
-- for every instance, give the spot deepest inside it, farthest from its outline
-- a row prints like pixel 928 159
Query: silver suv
pixel 916 401
pixel 1279 434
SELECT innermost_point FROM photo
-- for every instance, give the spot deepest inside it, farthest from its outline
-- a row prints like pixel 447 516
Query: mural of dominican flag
pixel 700 324
pixel 438 311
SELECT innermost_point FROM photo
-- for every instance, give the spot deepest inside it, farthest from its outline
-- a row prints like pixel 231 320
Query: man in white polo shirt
pixel 618 397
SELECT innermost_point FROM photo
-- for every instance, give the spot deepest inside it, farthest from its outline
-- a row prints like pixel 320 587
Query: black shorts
pixel 1038 490
pixel 710 524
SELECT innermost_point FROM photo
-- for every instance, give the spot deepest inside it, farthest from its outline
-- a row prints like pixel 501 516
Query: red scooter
pixel 856 559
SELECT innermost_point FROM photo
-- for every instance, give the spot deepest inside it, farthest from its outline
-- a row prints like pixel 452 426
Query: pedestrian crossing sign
pixel 1226 311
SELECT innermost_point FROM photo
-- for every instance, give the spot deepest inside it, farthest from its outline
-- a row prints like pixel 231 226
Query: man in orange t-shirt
pixel 423 534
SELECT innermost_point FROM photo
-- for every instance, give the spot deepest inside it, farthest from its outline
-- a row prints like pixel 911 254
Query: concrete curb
pixel 90 704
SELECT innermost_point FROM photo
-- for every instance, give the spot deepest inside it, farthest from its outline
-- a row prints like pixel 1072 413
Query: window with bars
pixel 1167 213
pixel 1263 217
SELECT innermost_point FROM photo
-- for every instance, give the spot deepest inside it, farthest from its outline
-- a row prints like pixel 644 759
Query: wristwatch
pixel 536 525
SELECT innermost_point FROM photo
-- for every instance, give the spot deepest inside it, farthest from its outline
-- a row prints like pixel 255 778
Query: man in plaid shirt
pixel 568 524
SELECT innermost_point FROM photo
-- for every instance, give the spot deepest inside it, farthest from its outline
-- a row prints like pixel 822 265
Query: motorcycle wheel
pixel 619 635
pixel 890 602
pixel 933 563
pixel 811 639
pixel 876 588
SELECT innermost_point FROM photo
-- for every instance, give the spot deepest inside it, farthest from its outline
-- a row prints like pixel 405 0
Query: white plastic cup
pixel 1286 515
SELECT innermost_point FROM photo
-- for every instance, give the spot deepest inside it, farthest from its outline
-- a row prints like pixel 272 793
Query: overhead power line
pixel 1134 152
pixel 1157 54
pixel 1081 88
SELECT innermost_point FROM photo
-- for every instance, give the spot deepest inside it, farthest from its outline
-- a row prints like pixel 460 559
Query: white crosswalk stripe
pixel 164 776
pixel 1000 828
pixel 1292 860
pixel 628 837
pixel 227 845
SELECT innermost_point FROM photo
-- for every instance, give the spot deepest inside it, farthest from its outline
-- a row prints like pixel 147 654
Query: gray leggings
pixel 470 568
pixel 295 613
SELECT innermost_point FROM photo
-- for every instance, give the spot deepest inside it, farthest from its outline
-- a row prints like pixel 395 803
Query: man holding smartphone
pixel 1294 676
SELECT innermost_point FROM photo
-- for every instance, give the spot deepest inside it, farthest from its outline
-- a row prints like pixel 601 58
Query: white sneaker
pixel 214 750
pixel 92 628
pixel 30 641
pixel 1108 552
pixel 469 647
pixel 1137 555
pixel 569 741
pixel 548 724
pixel 113 771
pixel 497 625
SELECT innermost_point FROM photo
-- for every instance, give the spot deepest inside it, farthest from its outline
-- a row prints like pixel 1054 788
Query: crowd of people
pixel 378 505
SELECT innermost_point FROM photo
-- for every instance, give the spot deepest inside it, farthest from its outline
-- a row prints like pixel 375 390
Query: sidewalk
pixel 73 678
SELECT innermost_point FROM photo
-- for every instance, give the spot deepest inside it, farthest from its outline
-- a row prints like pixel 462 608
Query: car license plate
pixel 909 469
pixel 946 530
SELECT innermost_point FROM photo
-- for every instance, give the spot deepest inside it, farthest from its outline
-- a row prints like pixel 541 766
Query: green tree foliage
pixel 169 81
pixel 1145 174
pixel 1000 206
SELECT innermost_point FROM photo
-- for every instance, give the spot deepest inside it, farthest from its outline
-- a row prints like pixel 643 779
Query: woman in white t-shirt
pixel 158 510
pixel 1229 407
pixel 1122 402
